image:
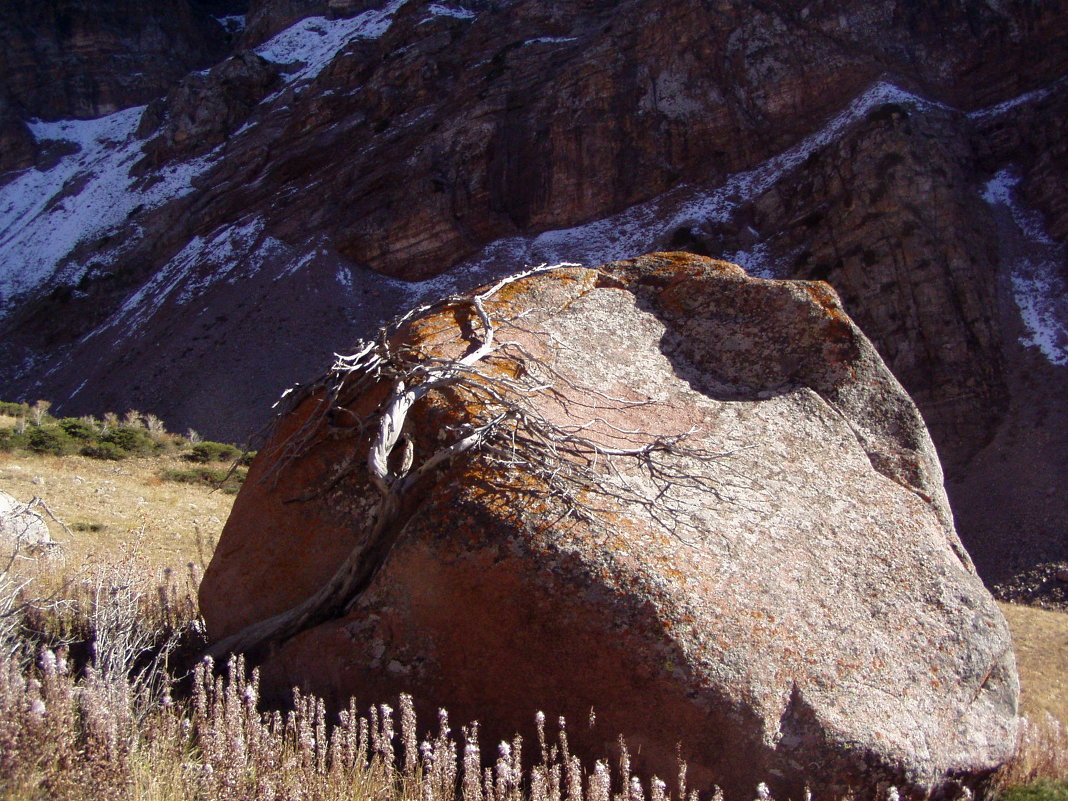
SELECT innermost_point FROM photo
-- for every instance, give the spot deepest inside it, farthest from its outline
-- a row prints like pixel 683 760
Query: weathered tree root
pixel 513 434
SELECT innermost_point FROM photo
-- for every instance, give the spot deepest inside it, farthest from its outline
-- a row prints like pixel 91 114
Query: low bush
pixel 50 439
pixel 14 409
pixel 1039 790
pixel 229 481
pixel 109 437
pixel 104 450
pixel 11 440
pixel 208 451
pixel 77 428
pixel 135 441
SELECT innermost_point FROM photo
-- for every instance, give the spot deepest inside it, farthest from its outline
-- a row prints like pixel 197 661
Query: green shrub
pixel 104 450
pixel 79 429
pixel 208 451
pixel 14 409
pixel 11 441
pixel 132 440
pixel 49 439
pixel 227 481
pixel 1040 790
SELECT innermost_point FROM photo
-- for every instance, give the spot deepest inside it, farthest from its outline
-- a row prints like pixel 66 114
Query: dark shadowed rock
pixel 771 576
pixel 17 146
pixel 206 107
pixel 85 58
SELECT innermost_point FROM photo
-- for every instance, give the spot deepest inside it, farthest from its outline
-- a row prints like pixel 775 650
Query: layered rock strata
pixel 86 58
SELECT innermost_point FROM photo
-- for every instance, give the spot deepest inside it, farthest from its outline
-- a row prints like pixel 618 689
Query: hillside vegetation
pixel 113 480
pixel 101 694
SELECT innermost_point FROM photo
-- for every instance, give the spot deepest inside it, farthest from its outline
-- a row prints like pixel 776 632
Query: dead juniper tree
pixel 511 431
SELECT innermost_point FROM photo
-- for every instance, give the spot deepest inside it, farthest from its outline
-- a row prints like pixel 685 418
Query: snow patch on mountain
pixel 85 194
pixel 292 266
pixel 757 261
pixel 233 24
pixel 439 10
pixel 112 129
pixel 551 40
pixel 1033 261
pixel 1042 297
pixel 1008 105
pixel 314 42
pixel 1000 190
pixel 649 225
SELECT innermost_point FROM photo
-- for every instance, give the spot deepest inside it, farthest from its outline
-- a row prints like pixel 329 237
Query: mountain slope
pixel 196 256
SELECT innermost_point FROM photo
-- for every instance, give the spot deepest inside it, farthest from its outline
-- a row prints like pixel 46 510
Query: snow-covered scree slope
pixel 87 191
pixel 86 194
pixel 1034 262
pixel 229 254
pixel 309 45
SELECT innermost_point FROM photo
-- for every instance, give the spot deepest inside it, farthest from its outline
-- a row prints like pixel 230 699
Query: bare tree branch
pixel 572 459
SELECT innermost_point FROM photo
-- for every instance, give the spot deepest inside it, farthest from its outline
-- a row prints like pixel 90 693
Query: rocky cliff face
pixel 695 501
pixel 912 154
pixel 85 58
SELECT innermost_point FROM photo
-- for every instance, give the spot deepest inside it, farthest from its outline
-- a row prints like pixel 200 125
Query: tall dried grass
pixel 1041 758
pixel 87 712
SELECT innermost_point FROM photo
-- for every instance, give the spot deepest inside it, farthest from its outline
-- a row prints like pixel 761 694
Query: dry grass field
pixel 1041 640
pixel 107 504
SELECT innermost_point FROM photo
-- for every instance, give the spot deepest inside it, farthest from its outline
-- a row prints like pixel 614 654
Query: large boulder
pixel 694 501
